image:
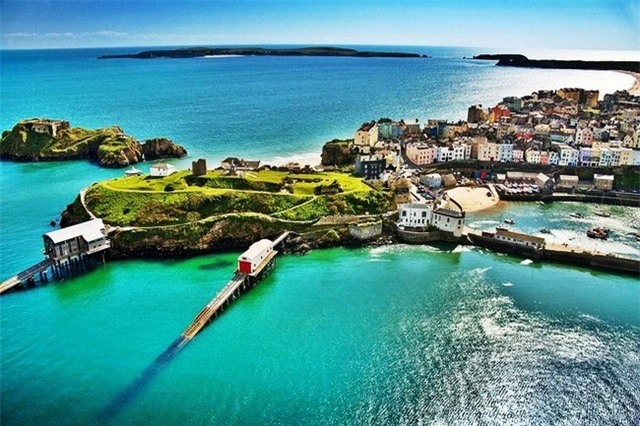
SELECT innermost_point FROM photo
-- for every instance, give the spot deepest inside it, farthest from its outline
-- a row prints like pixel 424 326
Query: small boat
pixel 577 215
pixel 509 221
pixel 602 214
pixel 600 233
pixel 545 231
pixel 541 202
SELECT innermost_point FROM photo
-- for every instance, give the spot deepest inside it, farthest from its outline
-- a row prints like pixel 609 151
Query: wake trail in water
pixel 128 394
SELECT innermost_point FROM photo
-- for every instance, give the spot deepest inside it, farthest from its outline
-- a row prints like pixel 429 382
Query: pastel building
pixel 367 134
pixel 421 153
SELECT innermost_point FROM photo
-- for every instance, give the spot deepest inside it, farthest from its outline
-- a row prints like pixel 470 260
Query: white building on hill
pixel 161 170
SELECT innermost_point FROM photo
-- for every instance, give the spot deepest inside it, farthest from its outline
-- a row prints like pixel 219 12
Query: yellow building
pixel 367 134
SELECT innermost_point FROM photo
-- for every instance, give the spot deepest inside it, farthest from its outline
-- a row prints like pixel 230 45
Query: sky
pixel 563 24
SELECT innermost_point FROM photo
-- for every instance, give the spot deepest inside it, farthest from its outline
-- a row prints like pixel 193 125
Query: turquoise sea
pixel 387 335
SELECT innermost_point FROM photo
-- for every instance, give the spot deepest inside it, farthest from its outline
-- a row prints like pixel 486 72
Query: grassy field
pixel 184 198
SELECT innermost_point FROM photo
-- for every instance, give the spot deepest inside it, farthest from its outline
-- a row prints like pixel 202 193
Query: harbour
pixel 439 332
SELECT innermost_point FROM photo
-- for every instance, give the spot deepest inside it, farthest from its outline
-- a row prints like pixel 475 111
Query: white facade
pixel 414 215
pixel 449 221
pixel 161 170
pixel 568 156
pixel 422 215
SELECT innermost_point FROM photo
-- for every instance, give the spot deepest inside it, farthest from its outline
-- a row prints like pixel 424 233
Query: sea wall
pixel 504 247
pixel 424 237
pixel 366 231
pixel 585 258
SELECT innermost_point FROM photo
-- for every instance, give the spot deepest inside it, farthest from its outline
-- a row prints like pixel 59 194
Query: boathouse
pixel 76 242
pixel 259 253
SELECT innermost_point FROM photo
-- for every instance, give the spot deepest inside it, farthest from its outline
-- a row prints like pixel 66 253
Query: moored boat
pixel 602 214
pixel 545 231
pixel 598 232
pixel 509 221
pixel 577 215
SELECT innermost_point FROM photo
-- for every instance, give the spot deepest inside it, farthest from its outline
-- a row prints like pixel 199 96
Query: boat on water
pixel 541 202
pixel 509 221
pixel 602 214
pixel 545 231
pixel 598 232
pixel 577 215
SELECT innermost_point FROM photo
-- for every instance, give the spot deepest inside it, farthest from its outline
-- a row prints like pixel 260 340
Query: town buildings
pixel 565 128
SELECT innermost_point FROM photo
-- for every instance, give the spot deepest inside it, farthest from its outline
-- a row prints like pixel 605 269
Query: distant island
pixel 515 60
pixel 41 139
pixel 195 52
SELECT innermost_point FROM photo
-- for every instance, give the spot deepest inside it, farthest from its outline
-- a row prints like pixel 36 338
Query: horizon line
pixel 258 44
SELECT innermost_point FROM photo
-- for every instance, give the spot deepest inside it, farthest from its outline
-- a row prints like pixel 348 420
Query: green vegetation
pixel 68 143
pixel 184 198
pixel 110 147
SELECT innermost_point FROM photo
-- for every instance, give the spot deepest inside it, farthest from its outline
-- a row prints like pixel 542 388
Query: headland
pixel 521 61
pixel 40 139
pixel 197 52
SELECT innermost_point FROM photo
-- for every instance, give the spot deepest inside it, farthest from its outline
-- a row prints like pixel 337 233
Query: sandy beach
pixel 635 88
pixel 473 199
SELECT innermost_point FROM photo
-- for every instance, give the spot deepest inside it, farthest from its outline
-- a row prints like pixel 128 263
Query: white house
pixel 448 220
pixel 161 170
pixel 414 215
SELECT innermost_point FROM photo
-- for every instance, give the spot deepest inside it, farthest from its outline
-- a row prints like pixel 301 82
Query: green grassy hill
pixel 183 198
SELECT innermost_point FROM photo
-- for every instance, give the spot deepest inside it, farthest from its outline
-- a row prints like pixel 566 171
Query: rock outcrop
pixel 55 140
pixel 337 153
pixel 162 148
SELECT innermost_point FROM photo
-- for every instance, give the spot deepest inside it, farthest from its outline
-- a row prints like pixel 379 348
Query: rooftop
pixel 449 213
pixel 255 249
pixel 519 236
pixel 90 231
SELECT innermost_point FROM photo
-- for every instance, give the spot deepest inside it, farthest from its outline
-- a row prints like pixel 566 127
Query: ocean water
pixel 388 335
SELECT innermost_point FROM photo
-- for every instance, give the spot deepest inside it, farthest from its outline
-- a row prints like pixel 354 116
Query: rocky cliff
pixel 337 153
pixel 109 147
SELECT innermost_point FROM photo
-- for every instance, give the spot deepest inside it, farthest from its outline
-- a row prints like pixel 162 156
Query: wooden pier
pixel 27 275
pixel 240 283
pixel 260 258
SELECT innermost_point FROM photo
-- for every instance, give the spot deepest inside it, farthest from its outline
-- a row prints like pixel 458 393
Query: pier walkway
pixel 262 258
pixel 25 275
pixel 214 306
